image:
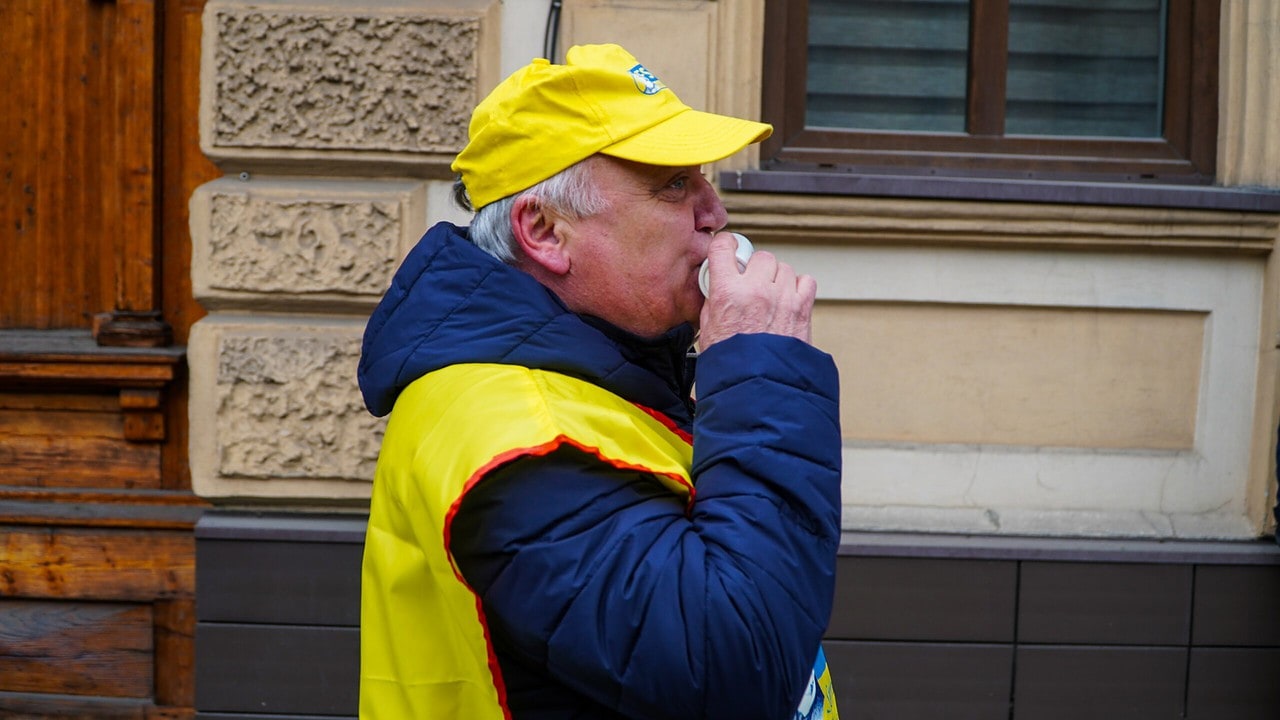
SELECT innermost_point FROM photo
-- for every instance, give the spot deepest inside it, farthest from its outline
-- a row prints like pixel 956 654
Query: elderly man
pixel 556 530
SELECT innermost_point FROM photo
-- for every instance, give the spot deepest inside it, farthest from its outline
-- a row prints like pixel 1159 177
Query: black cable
pixel 551 33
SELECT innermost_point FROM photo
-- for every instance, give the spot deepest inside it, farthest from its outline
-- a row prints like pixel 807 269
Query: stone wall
pixel 334 124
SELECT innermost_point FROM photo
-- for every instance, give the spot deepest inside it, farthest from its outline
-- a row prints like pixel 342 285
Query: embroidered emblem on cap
pixel 646 82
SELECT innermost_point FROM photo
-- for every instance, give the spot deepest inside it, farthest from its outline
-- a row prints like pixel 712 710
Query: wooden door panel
pixel 76 195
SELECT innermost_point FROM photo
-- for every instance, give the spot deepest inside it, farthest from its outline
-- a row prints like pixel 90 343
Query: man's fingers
pixel 721 250
pixel 722 260
pixel 807 287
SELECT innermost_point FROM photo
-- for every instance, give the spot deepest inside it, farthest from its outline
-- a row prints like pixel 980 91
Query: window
pixel 1116 90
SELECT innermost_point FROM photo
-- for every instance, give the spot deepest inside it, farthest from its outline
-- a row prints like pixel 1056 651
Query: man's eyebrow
pixel 671 173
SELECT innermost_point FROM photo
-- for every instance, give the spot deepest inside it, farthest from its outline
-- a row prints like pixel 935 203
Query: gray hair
pixel 570 192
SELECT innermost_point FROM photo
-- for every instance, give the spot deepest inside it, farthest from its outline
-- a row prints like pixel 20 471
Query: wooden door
pixel 98 155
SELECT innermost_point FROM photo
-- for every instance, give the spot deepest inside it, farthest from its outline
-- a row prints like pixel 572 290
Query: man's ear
pixel 535 232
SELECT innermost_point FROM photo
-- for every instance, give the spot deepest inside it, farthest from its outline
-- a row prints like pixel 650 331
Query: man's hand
pixel 769 297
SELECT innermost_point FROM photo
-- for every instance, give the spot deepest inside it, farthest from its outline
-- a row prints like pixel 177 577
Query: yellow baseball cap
pixel 544 118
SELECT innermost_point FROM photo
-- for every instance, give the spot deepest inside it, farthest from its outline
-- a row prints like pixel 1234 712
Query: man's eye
pixel 679 183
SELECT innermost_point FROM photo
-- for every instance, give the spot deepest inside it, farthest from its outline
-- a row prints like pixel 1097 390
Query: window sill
pixel 1262 551
pixel 1075 192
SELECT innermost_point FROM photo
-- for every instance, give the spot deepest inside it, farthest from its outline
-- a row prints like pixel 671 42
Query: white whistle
pixel 743 254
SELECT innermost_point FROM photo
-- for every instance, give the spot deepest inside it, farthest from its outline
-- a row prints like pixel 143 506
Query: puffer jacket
pixel 605 596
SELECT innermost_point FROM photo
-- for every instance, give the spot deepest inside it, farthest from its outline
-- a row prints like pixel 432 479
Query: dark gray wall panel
pixel 1237 606
pixel 1071 683
pixel 302 583
pixel 277 669
pixel 1104 603
pixel 923 626
pixel 1234 683
pixel 930 600
pixel 259 716
pixel 920 681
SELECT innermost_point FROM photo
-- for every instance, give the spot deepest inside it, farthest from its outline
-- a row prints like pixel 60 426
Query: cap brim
pixel 690 137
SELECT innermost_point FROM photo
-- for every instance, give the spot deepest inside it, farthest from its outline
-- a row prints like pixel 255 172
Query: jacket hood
pixel 450 302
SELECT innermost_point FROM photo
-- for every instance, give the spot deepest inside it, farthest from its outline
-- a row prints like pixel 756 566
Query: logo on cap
pixel 646 82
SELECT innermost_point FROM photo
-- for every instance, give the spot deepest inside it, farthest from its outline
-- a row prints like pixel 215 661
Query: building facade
pixel 1057 342
pixel 1058 377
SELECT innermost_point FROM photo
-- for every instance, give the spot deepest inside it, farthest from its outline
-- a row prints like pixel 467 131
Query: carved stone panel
pixel 283 81
pixel 290 243
pixel 275 399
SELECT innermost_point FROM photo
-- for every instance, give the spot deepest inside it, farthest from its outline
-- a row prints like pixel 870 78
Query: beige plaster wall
pixel 1036 369
pixel 1249 94
pixel 708 51
pixel 1061 377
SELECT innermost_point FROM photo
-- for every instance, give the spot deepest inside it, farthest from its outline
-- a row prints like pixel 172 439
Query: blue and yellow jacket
pixel 555 532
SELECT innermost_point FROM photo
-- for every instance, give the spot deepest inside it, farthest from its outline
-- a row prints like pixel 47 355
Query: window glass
pixel 888 65
pixel 1085 68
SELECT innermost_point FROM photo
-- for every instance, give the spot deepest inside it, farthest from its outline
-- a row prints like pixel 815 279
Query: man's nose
pixel 711 215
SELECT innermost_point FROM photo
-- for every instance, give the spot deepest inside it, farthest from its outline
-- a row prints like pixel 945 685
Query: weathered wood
pixel 121 565
pixel 144 426
pixel 96 373
pixel 126 329
pixel 80 144
pixel 39 706
pixel 175 630
pixel 143 414
pixel 137 399
pixel 104 401
pixel 75 461
pixel 78 442
pixel 183 168
pixel 47 422
pixel 133 84
pixel 76 648
pixel 84 230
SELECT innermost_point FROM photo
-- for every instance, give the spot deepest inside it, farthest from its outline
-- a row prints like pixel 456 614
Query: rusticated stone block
pixel 275 399
pixel 282 243
pixel 329 77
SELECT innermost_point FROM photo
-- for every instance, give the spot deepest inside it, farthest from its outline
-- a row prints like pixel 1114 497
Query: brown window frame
pixel 1186 154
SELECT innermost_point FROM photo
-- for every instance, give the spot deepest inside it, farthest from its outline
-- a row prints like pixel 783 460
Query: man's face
pixel 636 263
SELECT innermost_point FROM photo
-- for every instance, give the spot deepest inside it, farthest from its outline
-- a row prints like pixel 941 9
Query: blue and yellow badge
pixel 646 82
pixel 819 700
